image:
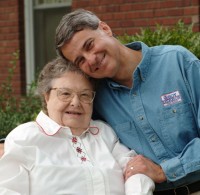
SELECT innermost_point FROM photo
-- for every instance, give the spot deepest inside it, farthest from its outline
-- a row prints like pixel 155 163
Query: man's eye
pixel 89 45
pixel 80 62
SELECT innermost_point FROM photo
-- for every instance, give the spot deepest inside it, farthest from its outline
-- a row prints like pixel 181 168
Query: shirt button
pixel 153 139
pixel 141 118
pixel 174 175
pixel 174 110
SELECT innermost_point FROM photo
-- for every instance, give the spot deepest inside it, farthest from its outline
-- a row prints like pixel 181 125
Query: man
pixel 149 95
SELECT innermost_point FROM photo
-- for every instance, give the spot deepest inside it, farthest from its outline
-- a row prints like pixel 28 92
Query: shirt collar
pixel 142 68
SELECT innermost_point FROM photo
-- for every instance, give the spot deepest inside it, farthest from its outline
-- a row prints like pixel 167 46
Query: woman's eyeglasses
pixel 66 95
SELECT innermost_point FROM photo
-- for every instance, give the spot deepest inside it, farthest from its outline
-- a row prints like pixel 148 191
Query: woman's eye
pixel 66 94
pixel 85 95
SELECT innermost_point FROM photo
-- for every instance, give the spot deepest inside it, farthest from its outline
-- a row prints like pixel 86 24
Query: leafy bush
pixel 16 110
pixel 180 34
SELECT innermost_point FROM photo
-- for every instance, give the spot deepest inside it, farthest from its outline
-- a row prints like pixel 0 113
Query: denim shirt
pixel 159 116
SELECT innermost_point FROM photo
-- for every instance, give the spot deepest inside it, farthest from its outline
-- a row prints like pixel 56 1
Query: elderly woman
pixel 64 151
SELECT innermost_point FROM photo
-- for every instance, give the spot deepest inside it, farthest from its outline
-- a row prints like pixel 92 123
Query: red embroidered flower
pixel 83 158
pixel 74 140
pixel 79 150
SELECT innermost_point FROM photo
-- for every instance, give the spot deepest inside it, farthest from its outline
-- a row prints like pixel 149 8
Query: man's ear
pixel 103 26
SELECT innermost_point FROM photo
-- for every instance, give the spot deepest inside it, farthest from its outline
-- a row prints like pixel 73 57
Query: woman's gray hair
pixel 73 22
pixel 52 70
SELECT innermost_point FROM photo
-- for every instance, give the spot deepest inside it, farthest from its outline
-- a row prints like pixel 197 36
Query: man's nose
pixel 91 60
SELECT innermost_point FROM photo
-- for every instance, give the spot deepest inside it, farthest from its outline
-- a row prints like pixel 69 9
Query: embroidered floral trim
pixel 83 158
pixel 74 140
pixel 79 150
pixel 77 146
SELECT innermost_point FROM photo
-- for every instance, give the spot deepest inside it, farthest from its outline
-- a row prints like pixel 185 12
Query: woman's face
pixel 64 105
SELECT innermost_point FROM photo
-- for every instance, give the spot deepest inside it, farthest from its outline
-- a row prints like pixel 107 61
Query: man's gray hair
pixel 73 22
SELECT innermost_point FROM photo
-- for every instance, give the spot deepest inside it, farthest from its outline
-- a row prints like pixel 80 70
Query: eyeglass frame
pixel 72 94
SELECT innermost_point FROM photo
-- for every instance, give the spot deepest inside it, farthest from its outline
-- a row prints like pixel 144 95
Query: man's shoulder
pixel 163 49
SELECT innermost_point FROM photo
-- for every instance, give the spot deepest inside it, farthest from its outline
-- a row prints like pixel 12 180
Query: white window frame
pixel 29 35
pixel 29 42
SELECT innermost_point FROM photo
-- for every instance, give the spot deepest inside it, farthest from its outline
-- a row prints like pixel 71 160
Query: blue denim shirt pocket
pixel 178 126
pixel 128 135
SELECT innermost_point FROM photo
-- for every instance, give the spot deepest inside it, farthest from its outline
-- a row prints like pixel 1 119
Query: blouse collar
pixel 50 127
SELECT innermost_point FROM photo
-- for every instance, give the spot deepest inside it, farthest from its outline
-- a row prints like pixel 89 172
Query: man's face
pixel 95 52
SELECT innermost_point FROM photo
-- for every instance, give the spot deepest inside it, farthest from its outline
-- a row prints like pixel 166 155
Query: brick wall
pixel 129 16
pixel 12 40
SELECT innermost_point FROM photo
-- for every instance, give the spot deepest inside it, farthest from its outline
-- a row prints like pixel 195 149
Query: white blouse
pixel 44 158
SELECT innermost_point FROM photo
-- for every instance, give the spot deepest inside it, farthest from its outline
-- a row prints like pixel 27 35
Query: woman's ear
pixel 46 97
pixel 103 26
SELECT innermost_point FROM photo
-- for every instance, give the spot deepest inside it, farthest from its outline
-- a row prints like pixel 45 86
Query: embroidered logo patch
pixel 171 98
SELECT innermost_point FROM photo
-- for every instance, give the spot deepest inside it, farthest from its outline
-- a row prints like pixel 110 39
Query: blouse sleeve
pixel 138 184
pixel 14 174
pixel 15 165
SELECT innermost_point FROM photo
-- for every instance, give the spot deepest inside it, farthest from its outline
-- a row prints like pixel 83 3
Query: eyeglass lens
pixel 85 96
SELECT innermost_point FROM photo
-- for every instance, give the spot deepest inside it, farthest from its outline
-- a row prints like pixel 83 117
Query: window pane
pixel 45 23
pixel 39 2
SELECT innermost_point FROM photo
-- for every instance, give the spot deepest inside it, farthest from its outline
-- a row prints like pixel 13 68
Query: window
pixel 41 20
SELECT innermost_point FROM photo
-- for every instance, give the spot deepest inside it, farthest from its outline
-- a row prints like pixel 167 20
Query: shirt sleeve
pixel 189 159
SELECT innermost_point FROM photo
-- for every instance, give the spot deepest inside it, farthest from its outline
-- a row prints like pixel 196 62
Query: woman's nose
pixel 75 101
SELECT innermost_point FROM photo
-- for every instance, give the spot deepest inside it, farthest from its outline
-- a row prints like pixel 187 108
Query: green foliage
pixel 16 110
pixel 180 34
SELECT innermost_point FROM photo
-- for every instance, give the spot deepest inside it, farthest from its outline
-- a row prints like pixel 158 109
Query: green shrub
pixel 180 34
pixel 16 110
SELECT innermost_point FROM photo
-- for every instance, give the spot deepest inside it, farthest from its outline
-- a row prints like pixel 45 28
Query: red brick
pixel 191 11
pixel 195 2
pixel 172 4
